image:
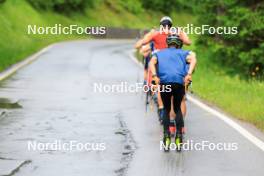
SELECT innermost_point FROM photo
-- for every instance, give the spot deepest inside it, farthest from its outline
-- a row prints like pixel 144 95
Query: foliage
pixel 168 6
pixel 133 6
pixel 244 49
pixel 63 6
pixel 241 51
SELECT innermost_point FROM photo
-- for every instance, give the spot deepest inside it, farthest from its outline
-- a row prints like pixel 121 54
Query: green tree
pixel 243 49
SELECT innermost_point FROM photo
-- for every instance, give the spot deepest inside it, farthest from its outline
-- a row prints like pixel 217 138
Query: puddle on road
pixel 6 103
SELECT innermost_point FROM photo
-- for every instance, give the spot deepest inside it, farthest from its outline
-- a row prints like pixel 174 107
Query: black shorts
pixel 177 92
pixel 146 61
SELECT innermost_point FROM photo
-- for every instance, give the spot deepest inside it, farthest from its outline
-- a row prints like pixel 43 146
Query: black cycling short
pixel 146 61
pixel 178 92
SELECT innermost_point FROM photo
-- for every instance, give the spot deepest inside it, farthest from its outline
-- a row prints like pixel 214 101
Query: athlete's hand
pixel 156 80
pixel 187 79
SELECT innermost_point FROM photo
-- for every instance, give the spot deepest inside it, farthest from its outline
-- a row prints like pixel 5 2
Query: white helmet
pixel 166 20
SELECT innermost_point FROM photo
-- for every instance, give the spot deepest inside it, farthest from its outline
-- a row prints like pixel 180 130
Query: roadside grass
pixel 16 15
pixel 116 16
pixel 15 43
pixel 241 98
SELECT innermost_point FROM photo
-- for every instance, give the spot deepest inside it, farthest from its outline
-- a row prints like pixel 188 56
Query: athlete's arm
pixel 145 50
pixel 139 44
pixel 148 37
pixel 145 40
pixel 191 58
pixel 184 37
pixel 152 66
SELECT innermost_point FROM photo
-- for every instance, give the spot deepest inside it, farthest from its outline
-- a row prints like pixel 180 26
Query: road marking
pixel 229 121
pixel 134 59
pixel 256 141
pixel 11 70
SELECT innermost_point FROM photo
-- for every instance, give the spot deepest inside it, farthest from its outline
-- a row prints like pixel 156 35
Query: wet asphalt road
pixel 58 102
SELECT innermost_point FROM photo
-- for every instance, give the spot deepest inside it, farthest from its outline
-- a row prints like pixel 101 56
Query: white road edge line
pixel 256 141
pixel 230 122
pixel 134 59
pixel 11 70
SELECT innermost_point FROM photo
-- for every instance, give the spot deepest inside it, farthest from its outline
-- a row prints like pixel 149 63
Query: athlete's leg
pixel 160 103
pixel 172 113
pixel 145 59
pixel 178 93
pixel 161 110
pixel 145 76
pixel 166 99
pixel 183 106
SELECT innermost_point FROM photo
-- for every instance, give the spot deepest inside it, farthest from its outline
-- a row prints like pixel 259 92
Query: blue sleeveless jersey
pixel 172 66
